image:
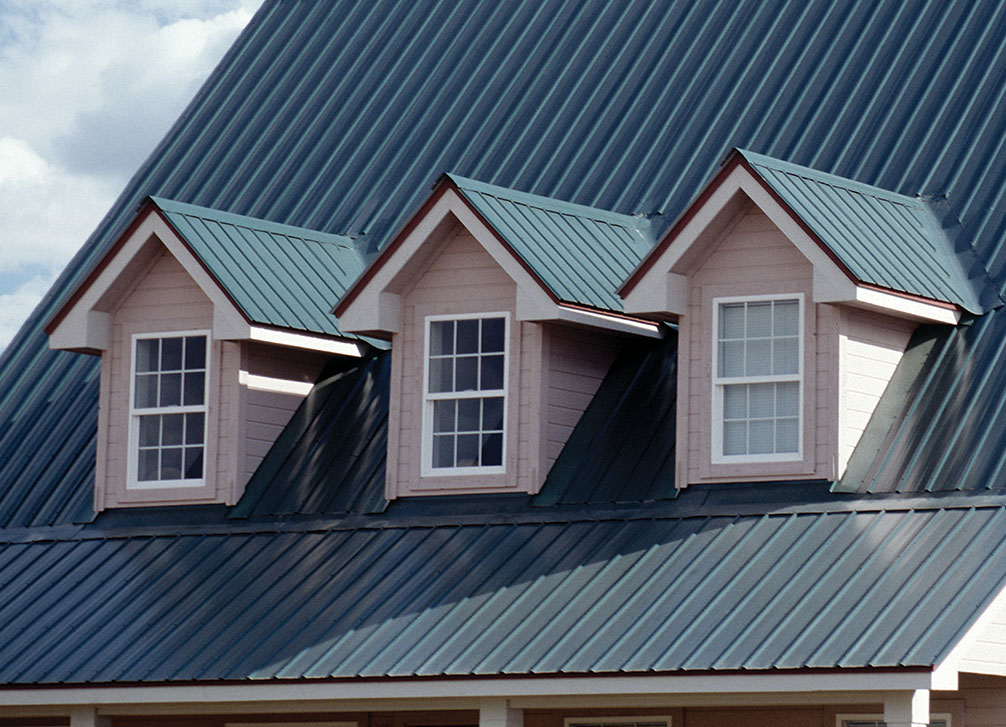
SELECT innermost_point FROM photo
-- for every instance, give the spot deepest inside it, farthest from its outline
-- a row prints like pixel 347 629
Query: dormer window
pixel 757 381
pixel 168 410
pixel 466 394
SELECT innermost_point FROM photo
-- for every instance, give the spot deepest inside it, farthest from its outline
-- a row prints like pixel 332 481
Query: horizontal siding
pixel 577 363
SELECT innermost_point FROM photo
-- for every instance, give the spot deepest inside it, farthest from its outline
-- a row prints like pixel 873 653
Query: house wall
pixel 752 257
pixel 871 346
pixel 161 300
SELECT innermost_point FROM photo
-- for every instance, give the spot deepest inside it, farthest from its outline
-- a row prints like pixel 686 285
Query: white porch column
pixel 907 709
pixel 497 713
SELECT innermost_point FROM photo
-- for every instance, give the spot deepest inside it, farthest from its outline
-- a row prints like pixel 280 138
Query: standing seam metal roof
pixel 636 594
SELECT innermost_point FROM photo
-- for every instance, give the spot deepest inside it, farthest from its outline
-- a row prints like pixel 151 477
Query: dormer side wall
pixel 752 257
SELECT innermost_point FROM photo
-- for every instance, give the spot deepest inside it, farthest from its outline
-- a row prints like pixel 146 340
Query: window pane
pixel 787 435
pixel 148 469
pixel 787 356
pixel 193 463
pixel 468 450
pixel 759 357
pixel 735 436
pixel 146 391
pixel 171 389
pixel 787 399
pixel 492 373
pixel 731 321
pixel 492 335
pixel 467 373
pixel 171 354
pixel 150 431
pixel 171 428
pixel 735 402
pixel 787 318
pixel 195 387
pixel 443 450
pixel 441 338
pixel 468 336
pixel 731 358
pixel 759 320
pixel 147 354
pixel 195 352
pixel 492 414
pixel 762 401
pixel 492 450
pixel 171 463
pixel 468 415
pixel 195 425
pixel 761 437
pixel 441 375
pixel 443 416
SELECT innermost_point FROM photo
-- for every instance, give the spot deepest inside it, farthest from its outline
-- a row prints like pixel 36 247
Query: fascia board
pixel 85 325
pixel 522 692
pixel 305 341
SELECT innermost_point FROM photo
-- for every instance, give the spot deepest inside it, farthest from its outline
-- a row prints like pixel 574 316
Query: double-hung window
pixel 757 379
pixel 167 436
pixel 464 416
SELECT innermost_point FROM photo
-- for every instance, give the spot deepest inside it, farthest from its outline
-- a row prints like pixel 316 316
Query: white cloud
pixel 16 306
pixel 90 87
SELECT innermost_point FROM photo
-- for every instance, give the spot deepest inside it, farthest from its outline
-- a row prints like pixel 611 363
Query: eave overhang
pixel 371 305
pixel 658 286
pixel 520 692
pixel 82 324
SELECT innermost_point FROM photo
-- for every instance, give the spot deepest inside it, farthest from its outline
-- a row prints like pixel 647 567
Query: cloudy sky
pixel 87 89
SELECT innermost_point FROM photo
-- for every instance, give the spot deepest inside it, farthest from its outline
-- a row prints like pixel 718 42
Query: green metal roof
pixel 277 275
pixel 890 240
pixel 580 253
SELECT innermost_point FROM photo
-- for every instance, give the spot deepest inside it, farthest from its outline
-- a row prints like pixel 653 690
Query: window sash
pixel 493 438
pixel 792 327
pixel 138 451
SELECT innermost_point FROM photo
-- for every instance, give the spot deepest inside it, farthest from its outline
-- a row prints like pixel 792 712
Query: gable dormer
pixel 796 294
pixel 211 328
pixel 503 318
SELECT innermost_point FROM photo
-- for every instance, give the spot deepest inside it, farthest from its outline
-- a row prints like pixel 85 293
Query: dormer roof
pixel 566 259
pixel 266 280
pixel 914 245
pixel 869 247
pixel 580 254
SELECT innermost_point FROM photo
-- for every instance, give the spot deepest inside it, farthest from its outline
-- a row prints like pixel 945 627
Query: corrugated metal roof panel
pixel 277 275
pixel 621 106
pixel 641 594
pixel 886 239
pixel 580 253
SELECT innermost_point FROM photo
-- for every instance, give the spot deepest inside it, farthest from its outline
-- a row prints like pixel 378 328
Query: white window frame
pixel 427 469
pixel 132 460
pixel 628 721
pixel 842 719
pixel 720 382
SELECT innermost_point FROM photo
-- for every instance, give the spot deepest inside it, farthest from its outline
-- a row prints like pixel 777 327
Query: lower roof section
pixel 527 594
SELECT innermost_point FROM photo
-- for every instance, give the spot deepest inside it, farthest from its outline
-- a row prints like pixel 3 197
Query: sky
pixel 87 89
